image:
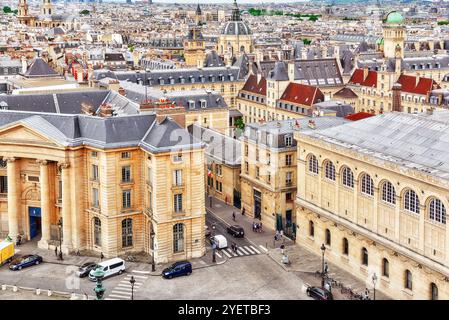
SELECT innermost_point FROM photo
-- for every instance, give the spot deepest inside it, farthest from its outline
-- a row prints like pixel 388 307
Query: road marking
pixel 139 271
pixel 119 296
pixel 111 299
pixel 250 250
pixel 243 250
pixel 122 288
pixel 218 254
pixel 257 251
pixel 263 248
pixel 232 252
pixel 121 292
pixel 127 281
pixel 139 277
pixel 239 252
pixel 226 253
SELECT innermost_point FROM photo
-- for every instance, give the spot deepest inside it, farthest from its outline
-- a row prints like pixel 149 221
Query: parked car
pixel 85 269
pixel 25 261
pixel 181 268
pixel 319 293
pixel 110 267
pixel 236 231
pixel 220 241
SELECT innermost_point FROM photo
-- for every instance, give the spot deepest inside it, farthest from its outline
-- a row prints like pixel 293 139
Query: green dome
pixel 394 17
pixel 380 41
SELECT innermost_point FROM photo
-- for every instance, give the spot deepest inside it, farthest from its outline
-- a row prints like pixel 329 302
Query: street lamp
pixel 99 289
pixel 60 237
pixel 323 249
pixel 374 286
pixel 132 281
pixel 152 235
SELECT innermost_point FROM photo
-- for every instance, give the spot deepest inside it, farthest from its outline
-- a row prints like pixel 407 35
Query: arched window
pixel 178 237
pixel 364 257
pixel 388 192
pixel 367 185
pixel 311 229
pixel 97 231
pixel 411 201
pixel 330 170
pixel 385 268
pixel 345 246
pixel 127 232
pixel 437 211
pixel 347 177
pixel 313 164
pixel 408 280
pixel 328 237
pixel 433 291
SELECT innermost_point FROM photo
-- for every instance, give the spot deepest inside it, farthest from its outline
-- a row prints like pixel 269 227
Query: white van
pixel 110 268
pixel 220 241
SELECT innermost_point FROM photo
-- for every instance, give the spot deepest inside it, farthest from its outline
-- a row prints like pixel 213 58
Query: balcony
pixel 3 196
pixel 178 186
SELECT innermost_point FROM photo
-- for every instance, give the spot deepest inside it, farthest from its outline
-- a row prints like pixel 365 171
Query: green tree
pixel 239 123
pixel 85 12
pixel 7 10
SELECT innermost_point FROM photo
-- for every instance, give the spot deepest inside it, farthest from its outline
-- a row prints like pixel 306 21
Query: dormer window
pixel 192 79
pixel 288 140
pixel 161 81
pixel 231 77
pixel 203 103
pixel 172 80
pixel 212 78
pixel 191 104
pixel 181 79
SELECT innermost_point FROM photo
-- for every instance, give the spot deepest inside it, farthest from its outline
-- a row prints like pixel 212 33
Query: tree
pixel 239 123
pixel 85 12
pixel 7 10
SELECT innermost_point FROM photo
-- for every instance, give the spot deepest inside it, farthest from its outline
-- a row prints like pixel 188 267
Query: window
pixel 347 177
pixel 97 231
pixel 311 229
pixel 95 198
pixel 327 236
pixel 218 169
pixel 3 184
pixel 257 173
pixel 385 268
pixel 411 201
pixel 288 196
pixel 94 172
pixel 126 199
pixel 94 154
pixel 246 150
pixel 433 291
pixel 126 155
pixel 313 164
pixel 127 232
pixel 177 177
pixel 269 177
pixel 437 211
pixel 408 280
pixel 345 246
pixel 388 192
pixel 288 160
pixel 330 170
pixel 126 174
pixel 177 157
pixel 218 186
pixel 288 178
pixel 288 141
pixel 364 257
pixel 150 177
pixel 177 202
pixel 367 185
pixel 178 237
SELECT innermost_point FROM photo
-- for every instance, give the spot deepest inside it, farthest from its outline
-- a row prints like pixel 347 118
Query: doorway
pixel 257 204
pixel 35 221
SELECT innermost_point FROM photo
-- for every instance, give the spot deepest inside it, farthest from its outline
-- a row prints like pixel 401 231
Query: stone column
pixel 13 197
pixel 66 208
pixel 45 203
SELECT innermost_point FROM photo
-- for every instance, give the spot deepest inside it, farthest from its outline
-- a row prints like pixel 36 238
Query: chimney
pixel 396 103
pixel 24 65
pixel 106 110
pixel 160 118
pixel 259 77
pixel 121 91
pixel 365 73
pixel 87 109
pixel 417 80
pixel 429 111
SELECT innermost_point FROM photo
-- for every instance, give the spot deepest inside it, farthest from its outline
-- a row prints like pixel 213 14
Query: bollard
pixel 38 291
pixel 85 297
pixel 73 296
pixel 14 288
pixel 49 293
pixel 3 287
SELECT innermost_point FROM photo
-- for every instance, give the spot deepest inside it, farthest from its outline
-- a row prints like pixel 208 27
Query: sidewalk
pixel 304 263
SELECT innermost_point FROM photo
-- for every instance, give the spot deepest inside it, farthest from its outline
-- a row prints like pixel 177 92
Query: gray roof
pixel 236 28
pixel 40 69
pixel 419 142
pixel 219 147
pixel 105 133
pixel 279 72
pixel 318 72
pixel 213 60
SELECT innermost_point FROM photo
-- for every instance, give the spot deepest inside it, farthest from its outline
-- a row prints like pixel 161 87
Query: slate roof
pixel 279 72
pixel 105 133
pixel 213 60
pixel 40 69
pixel 318 72
pixel 413 141
pixel 220 148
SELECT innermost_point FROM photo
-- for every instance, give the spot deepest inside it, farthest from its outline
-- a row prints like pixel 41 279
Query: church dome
pixel 394 17
pixel 236 28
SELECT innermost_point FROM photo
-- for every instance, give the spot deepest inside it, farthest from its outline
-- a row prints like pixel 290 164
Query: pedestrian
pixel 233 215
pixel 327 286
pixel 60 255
pixel 260 226
pixel 101 256
pixel 326 268
pixel 276 236
pixel 243 211
pixel 56 251
pixel 282 249
pixel 236 248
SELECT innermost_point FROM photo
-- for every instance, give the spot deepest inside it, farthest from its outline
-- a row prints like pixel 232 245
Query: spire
pixel 235 12
pixel 198 10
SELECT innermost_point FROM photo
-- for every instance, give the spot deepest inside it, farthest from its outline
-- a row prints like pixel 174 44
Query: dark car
pixel 319 293
pixel 181 268
pixel 236 231
pixel 25 261
pixel 84 270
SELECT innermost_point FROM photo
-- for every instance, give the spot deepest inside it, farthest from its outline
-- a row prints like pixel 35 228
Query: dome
pixel 380 41
pixel 236 28
pixel 394 17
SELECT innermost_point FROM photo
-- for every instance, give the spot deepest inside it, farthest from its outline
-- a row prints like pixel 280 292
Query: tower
pixel 47 7
pixel 198 16
pixel 23 13
pixel 194 44
pixel 394 35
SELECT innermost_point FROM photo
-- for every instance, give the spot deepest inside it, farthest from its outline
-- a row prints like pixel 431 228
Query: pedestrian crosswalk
pixel 241 251
pixel 124 290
